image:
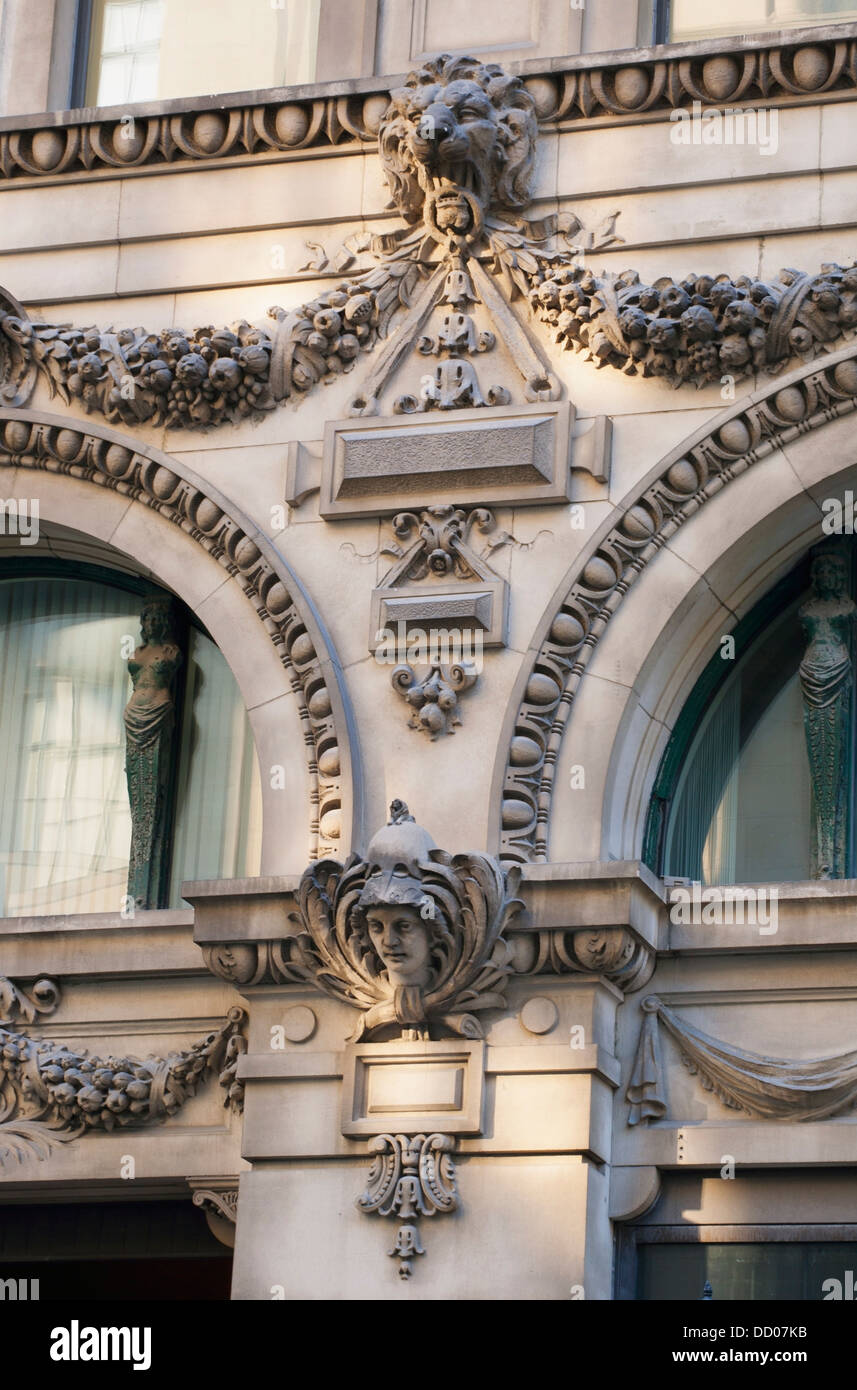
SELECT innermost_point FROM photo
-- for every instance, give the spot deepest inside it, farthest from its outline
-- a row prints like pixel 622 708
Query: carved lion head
pixel 459 130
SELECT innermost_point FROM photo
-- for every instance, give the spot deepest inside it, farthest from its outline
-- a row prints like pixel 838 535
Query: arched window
pixel 757 782
pixel 65 821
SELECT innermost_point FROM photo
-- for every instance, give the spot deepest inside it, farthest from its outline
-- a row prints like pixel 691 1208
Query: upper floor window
pixel 757 784
pixel 148 50
pixel 688 19
pixel 67 644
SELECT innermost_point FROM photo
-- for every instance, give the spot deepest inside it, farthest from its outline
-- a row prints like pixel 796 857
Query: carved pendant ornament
pixel 410 1177
pixel 50 1093
pixel 410 936
pixel 766 1088
pixel 457 145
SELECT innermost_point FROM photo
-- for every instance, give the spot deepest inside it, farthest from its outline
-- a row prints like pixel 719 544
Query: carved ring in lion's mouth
pixel 448 179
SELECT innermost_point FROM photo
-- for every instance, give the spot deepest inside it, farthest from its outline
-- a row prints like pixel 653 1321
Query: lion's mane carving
pixel 459 124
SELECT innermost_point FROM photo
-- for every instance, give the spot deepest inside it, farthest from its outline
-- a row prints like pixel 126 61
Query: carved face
pixel 458 133
pixel 402 941
pixel 155 626
pixel 829 576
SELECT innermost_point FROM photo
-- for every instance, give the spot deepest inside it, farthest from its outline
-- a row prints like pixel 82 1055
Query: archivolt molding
pixel 104 458
pixel 815 64
pixel 592 593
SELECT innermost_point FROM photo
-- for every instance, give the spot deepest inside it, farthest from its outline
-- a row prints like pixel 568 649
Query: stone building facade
pixel 369 925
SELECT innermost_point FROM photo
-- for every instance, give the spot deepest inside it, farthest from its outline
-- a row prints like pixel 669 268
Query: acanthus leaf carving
pixel 18 1005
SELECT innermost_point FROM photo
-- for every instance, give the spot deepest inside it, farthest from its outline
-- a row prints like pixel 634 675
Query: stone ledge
pixel 275 122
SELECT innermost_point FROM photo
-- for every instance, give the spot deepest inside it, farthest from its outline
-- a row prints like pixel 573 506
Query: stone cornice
pixel 606 920
pixel 811 64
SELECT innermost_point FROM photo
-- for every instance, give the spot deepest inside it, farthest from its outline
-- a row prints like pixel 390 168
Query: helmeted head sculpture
pixel 409 934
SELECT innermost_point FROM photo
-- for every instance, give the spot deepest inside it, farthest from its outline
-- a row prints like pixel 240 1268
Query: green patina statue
pixel 827 679
pixel 149 750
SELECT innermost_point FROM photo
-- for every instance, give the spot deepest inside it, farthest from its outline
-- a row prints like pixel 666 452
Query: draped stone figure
pixel 149 750
pixel 826 676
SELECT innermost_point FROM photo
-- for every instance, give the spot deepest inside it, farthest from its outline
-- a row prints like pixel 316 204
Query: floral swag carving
pixel 457 144
pixel 51 1094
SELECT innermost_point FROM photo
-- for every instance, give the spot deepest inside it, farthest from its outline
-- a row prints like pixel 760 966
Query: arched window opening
pixel 65 818
pixel 757 783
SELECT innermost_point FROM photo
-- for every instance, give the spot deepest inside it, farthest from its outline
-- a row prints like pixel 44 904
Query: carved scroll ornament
pixel 768 1088
pixel 50 1093
pixel 410 1177
pixel 19 1005
pixel 457 145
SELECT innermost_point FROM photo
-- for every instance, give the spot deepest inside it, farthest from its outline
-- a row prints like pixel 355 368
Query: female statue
pixel 149 724
pixel 826 676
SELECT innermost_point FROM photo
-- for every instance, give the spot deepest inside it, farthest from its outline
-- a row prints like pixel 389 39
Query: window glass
pixel 65 824
pixel 691 20
pixel 763 1270
pixel 145 50
pixel 741 810
pixel 219 799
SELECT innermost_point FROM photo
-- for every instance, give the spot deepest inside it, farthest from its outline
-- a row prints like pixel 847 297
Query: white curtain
pixel 219 801
pixel 65 825
pixel 64 821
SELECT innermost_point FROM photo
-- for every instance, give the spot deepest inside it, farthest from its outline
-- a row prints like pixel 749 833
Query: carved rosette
pixel 410 1177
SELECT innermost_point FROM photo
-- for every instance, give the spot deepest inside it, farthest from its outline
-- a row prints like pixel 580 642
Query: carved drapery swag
pixel 150 751
pixel 827 682
pixel 767 1088
pixel 410 935
pixel 457 146
pixel 49 1093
